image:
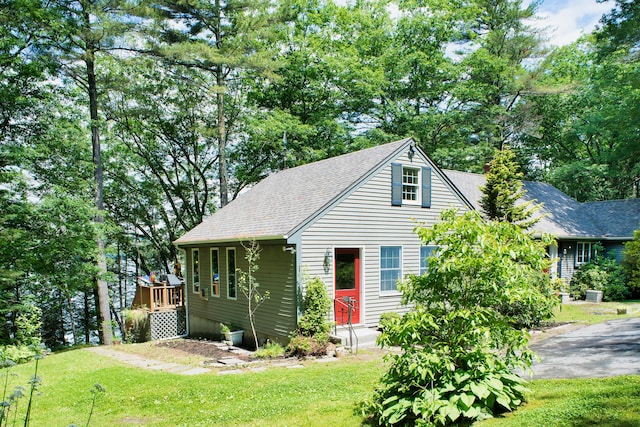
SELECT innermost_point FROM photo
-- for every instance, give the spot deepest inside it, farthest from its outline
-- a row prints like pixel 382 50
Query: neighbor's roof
pixel 281 202
pixel 561 215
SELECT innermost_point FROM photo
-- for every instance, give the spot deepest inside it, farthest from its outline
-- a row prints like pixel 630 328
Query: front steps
pixel 362 337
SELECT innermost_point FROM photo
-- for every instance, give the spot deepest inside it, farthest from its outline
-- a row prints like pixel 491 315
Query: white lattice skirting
pixel 168 324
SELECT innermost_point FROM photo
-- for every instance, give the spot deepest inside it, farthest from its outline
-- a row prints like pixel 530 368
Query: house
pixel 349 221
pixel 576 226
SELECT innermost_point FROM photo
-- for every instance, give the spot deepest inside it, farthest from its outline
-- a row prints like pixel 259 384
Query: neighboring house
pixel 349 221
pixel 576 226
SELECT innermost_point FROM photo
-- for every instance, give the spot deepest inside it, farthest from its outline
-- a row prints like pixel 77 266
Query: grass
pixel 604 402
pixel 317 395
pixel 591 313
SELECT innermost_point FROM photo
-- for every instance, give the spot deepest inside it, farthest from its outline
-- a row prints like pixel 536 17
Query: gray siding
pixel 275 318
pixel 365 219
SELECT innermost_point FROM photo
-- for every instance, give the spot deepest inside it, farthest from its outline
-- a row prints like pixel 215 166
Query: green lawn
pixel 319 394
pixel 591 313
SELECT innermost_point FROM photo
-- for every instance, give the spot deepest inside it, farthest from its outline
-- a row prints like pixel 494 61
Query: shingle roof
pixel 280 203
pixel 617 218
pixel 563 216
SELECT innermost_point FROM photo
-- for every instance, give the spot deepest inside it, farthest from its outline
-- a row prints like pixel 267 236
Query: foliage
pixel 602 273
pixel 137 325
pixel 250 287
pixel 503 190
pixel 315 308
pixel 458 346
pixel 631 263
pixel 388 319
pixel 304 346
pixel 271 350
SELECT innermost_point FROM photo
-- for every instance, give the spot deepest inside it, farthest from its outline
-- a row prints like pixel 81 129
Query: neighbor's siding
pixel 275 318
pixel 366 220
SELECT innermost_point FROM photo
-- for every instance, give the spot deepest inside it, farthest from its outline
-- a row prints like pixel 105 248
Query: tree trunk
pixel 103 290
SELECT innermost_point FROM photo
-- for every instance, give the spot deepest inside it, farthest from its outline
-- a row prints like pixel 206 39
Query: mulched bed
pixel 210 349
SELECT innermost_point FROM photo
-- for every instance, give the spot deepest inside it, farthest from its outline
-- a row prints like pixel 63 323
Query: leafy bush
pixel 459 345
pixel 17 353
pixel 302 346
pixel 315 308
pixel 631 264
pixel 601 274
pixel 388 319
pixel 271 350
pixel 137 325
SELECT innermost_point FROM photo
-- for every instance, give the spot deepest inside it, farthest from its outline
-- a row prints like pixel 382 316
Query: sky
pixel 569 19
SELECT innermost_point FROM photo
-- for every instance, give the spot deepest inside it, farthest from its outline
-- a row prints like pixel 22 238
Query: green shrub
pixel 631 264
pixel 137 325
pixel 458 346
pixel 17 353
pixel 601 274
pixel 388 319
pixel 316 305
pixel 302 346
pixel 271 350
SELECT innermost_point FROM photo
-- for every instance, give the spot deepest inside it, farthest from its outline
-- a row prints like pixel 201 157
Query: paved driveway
pixel 606 349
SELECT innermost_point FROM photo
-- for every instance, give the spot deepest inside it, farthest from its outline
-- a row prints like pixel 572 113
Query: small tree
pixel 458 346
pixel 503 189
pixel 316 305
pixel 249 286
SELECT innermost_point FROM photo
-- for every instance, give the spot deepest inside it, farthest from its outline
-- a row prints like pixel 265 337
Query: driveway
pixel 602 350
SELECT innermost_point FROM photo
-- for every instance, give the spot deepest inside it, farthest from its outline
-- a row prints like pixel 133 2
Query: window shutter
pixel 426 187
pixel 396 184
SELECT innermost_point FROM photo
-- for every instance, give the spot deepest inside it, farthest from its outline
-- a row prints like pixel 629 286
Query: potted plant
pixel 231 336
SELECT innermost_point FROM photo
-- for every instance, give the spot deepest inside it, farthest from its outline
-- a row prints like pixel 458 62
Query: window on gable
pixel 390 267
pixel 215 273
pixel 410 185
pixel 195 270
pixel 584 252
pixel 425 253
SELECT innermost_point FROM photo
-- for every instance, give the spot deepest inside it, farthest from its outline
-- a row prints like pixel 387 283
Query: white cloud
pixel 566 20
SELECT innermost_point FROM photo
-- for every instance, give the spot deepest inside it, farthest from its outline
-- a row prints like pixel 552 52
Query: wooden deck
pixel 158 296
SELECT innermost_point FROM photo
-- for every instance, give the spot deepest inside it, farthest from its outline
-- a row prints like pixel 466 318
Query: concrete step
pixel 362 337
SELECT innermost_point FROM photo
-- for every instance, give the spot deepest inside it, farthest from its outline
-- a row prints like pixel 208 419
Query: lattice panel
pixel 168 324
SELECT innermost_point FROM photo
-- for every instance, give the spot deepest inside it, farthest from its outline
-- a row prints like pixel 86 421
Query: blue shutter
pixel 426 187
pixel 396 184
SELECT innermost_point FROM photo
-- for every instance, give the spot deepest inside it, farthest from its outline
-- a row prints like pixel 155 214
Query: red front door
pixel 347 285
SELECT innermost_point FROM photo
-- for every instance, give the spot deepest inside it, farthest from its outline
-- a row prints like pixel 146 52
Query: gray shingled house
pixel 576 226
pixel 349 221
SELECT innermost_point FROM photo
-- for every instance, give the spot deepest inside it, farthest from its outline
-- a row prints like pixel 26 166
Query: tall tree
pixel 225 38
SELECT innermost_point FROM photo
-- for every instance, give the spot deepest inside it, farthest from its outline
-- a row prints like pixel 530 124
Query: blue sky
pixel 567 20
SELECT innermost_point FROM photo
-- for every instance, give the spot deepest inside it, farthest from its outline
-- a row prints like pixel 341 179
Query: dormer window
pixel 410 185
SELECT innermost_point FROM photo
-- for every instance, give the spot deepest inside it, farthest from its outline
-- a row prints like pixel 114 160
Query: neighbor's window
pixel 425 253
pixel 215 273
pixel 195 270
pixel 584 252
pixel 231 274
pixel 410 184
pixel 390 267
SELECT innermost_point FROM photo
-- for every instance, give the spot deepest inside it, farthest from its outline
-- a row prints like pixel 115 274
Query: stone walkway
pixel 225 365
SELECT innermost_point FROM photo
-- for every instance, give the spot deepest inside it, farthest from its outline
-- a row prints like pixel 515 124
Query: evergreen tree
pixel 503 190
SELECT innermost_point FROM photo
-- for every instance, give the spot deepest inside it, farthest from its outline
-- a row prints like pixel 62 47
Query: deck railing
pixel 159 296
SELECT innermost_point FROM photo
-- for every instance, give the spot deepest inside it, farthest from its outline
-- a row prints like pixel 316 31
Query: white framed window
pixel 584 252
pixel 410 185
pixel 390 268
pixel 232 290
pixel 195 270
pixel 215 272
pixel 425 253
